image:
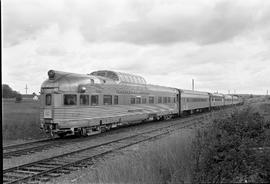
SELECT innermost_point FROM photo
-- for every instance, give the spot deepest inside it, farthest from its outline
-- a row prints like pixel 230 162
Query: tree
pixel 18 98
pixel 7 92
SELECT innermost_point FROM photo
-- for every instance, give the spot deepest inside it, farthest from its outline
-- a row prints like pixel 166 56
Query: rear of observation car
pixel 53 90
pixel 75 103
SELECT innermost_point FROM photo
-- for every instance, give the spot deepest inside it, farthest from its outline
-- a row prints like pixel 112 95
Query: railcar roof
pixel 194 92
pixel 70 81
pixel 216 94
pixel 161 88
pixel 227 96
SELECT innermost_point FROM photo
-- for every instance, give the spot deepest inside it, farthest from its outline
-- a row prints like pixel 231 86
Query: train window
pixel 169 99
pixel 174 100
pixel 92 81
pixel 115 100
pixel 164 99
pixel 107 99
pixel 151 99
pixel 159 99
pixel 138 100
pixel 132 100
pixel 94 99
pixel 143 100
pixel 48 99
pixel 84 99
pixel 70 99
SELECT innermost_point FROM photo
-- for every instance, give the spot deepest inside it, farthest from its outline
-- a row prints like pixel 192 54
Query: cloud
pixel 137 22
pixel 223 45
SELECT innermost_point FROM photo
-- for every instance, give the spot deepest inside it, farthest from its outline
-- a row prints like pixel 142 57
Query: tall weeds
pixel 165 162
pixel 233 149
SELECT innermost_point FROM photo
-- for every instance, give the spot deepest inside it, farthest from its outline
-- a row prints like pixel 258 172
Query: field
pixel 20 120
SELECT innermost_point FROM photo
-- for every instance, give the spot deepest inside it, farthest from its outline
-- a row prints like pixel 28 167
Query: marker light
pixel 51 74
pixel 83 89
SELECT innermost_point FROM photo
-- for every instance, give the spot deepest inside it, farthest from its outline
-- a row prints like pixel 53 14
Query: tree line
pixel 8 92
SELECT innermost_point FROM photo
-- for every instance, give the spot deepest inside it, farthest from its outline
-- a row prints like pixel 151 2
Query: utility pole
pixel 26 89
pixel 192 84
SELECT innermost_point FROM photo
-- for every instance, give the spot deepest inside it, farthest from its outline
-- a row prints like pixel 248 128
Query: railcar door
pixel 48 106
pixel 47 115
pixel 178 100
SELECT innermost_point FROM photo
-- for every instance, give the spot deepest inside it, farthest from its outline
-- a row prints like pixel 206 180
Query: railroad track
pixel 45 169
pixel 38 146
pixel 26 148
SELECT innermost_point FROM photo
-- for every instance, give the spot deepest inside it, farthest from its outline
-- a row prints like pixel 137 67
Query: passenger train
pixel 78 104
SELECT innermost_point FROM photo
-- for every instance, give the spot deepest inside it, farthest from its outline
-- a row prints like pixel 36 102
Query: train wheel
pixel 83 132
pixel 53 135
pixel 102 129
pixel 62 135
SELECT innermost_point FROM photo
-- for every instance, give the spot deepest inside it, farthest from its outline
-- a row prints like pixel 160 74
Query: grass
pixel 163 162
pixel 20 120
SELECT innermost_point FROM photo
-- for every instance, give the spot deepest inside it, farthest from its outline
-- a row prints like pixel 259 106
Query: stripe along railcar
pixel 79 104
pixel 217 100
pixel 194 101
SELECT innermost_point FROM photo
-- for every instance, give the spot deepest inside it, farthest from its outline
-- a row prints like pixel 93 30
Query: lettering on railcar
pixel 131 92
pixel 135 110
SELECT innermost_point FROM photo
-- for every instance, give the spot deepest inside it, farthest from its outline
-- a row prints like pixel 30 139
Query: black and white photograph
pixel 135 91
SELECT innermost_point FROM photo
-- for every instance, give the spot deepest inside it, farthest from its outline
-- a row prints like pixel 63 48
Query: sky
pixel 224 45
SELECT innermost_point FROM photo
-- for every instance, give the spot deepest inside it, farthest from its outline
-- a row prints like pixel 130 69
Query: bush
pixel 18 98
pixel 8 92
pixel 230 151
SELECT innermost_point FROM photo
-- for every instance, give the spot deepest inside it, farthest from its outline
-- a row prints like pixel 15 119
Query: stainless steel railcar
pixel 217 100
pixel 79 104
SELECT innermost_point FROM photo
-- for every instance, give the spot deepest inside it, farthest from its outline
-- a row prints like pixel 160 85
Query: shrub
pixel 18 98
pixel 229 150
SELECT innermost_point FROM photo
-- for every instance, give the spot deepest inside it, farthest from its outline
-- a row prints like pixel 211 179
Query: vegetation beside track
pixel 233 149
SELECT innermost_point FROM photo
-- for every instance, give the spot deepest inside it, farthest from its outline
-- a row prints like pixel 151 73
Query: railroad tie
pixel 26 172
pixel 43 179
pixel 35 169
pixel 33 182
pixel 71 168
pixel 64 171
pixel 48 166
pixel 53 174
